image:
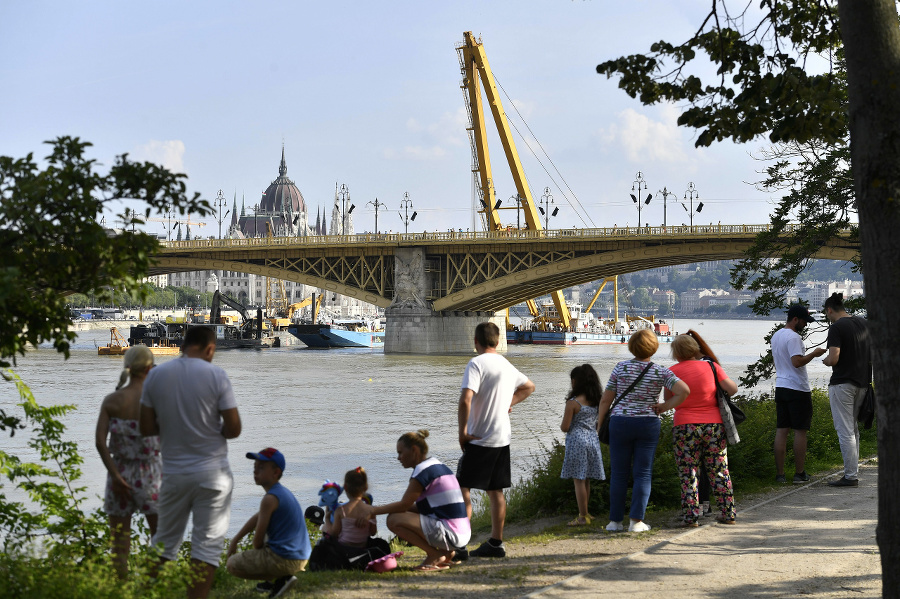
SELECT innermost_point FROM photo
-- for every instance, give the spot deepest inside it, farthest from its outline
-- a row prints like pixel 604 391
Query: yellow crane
pixel 287 316
pixel 476 72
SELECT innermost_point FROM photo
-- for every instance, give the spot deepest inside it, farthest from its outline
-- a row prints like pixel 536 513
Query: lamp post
pixel 518 200
pixel 405 205
pixel 377 205
pixel 547 201
pixel 665 194
pixel 344 195
pixel 638 182
pixel 691 194
pixel 219 202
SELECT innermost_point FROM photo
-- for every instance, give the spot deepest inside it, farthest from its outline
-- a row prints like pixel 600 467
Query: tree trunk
pixel 872 44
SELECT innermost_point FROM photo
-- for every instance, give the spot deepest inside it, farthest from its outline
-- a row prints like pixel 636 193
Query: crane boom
pixel 474 59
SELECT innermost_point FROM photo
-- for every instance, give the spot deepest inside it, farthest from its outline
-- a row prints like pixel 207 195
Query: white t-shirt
pixel 188 395
pixel 787 343
pixel 493 380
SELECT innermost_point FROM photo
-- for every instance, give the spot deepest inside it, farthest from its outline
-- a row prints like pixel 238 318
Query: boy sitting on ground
pixel 280 542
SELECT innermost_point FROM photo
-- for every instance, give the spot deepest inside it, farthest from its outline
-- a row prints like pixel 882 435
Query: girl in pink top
pixel 345 528
pixel 699 434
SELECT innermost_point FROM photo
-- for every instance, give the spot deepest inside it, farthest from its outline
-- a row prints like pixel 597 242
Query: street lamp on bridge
pixel 220 202
pixel 344 197
pixel 518 200
pixel 691 194
pixel 377 205
pixel 639 181
pixel 665 194
pixel 547 201
pixel 406 204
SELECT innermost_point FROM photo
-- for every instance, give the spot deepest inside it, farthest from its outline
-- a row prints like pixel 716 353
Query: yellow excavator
pixel 476 72
pixel 286 317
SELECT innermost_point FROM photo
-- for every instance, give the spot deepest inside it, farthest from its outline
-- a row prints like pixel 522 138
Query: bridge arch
pixel 514 288
pixel 166 264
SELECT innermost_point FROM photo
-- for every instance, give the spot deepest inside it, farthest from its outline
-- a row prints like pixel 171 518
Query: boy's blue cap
pixel 269 454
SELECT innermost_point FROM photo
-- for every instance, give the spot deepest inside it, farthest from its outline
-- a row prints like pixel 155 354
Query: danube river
pixel 329 411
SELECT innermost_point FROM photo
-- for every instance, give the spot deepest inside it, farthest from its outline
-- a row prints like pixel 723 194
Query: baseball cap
pixel 800 312
pixel 269 454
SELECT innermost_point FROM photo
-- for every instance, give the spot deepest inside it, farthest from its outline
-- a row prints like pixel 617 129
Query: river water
pixel 330 411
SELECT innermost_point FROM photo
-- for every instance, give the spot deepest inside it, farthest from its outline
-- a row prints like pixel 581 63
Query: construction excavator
pixel 283 319
pixel 476 72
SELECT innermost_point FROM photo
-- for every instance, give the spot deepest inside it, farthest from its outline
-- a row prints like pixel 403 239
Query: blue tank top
pixel 287 535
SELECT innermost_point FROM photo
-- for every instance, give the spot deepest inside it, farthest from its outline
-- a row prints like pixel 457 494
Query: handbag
pixel 867 410
pixel 729 412
pixel 737 414
pixel 603 431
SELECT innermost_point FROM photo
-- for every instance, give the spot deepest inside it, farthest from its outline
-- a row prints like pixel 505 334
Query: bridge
pixel 451 273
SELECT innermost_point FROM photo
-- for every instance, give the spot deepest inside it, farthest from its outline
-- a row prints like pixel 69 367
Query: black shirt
pixel 851 336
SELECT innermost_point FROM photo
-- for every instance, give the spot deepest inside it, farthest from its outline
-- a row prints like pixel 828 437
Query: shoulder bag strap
pixel 631 386
pixel 715 374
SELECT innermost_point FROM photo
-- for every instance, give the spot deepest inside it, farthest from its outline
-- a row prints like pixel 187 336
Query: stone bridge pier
pixel 413 327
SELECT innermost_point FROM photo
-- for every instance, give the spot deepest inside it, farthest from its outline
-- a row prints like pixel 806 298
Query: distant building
pixel 281 212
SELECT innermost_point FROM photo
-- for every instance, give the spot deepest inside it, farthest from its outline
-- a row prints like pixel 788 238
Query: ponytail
pixel 137 359
pixel 416 439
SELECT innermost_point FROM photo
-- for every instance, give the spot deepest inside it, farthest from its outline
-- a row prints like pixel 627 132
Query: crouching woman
pixel 431 514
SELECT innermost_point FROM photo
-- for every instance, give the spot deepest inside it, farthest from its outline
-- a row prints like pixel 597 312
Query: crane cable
pixel 525 141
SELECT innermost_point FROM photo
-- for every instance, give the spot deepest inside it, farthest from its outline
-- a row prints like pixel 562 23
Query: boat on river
pixel 340 334
pixel 584 328
pixel 167 336
pixel 118 345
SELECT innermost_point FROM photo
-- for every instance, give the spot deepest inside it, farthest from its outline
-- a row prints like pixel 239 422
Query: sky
pixel 367 95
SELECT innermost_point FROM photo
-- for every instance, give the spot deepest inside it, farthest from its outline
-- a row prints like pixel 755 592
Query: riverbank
pixel 811 540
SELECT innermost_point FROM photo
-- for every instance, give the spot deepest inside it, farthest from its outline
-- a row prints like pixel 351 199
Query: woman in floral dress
pixel 132 462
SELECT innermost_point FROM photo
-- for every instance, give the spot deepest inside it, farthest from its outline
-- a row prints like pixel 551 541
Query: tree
pixel 52 244
pixel 764 85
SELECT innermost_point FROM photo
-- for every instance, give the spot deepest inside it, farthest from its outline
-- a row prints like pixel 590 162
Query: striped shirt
pixel 441 498
pixel 639 401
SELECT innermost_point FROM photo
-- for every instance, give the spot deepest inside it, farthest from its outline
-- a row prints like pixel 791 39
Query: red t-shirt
pixel 701 406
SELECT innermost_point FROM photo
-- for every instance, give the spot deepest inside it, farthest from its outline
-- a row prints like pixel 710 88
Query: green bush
pixel 51 546
pixel 751 463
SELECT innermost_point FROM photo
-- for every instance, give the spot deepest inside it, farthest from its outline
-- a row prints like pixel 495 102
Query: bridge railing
pixel 467 236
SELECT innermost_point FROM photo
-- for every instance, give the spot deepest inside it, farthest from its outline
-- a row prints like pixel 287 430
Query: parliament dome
pixel 282 195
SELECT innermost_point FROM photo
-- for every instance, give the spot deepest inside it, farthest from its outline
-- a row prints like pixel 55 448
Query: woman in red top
pixel 699 434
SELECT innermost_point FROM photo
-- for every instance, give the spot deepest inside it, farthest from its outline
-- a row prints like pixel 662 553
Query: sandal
pixel 579 521
pixel 431 567
pixel 724 520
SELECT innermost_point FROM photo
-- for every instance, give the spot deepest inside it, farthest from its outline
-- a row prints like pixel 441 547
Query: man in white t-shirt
pixel 491 386
pixel 793 396
pixel 189 403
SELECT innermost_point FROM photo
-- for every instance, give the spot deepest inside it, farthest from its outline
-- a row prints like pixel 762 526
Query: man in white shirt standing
pixel 491 386
pixel 793 395
pixel 189 403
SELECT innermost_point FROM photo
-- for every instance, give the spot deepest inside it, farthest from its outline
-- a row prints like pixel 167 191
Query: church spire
pixel 318 222
pixel 243 211
pixel 234 213
pixel 282 168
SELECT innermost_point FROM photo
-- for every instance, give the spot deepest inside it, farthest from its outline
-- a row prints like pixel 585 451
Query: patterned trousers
pixel 703 443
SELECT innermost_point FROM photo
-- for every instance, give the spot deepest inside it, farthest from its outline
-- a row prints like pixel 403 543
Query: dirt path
pixel 814 541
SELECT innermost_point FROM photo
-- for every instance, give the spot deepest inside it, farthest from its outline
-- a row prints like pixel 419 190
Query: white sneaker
pixel 615 526
pixel 638 526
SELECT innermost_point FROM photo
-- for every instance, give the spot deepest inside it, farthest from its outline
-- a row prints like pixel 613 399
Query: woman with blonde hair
pixel 631 402
pixel 699 435
pixel 431 514
pixel 132 462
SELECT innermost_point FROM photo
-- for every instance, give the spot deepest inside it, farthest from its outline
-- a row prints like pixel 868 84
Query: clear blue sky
pixel 364 94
